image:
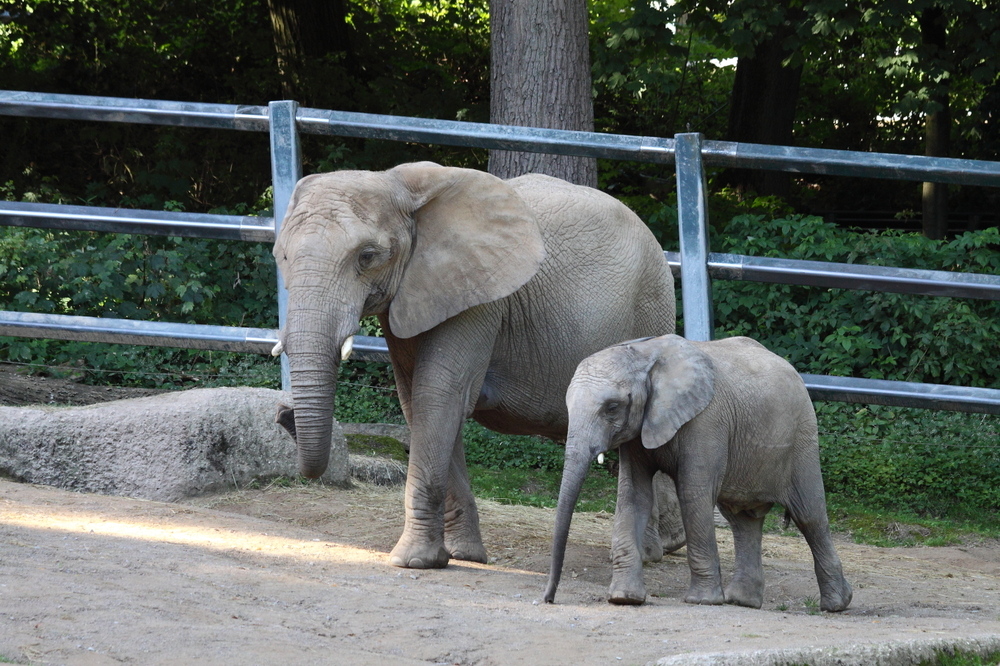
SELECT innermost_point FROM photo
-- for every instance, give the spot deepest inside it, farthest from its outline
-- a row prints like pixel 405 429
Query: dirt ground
pixel 298 575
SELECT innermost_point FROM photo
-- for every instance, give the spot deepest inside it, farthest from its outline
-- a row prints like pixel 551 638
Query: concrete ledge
pixel 902 653
pixel 162 447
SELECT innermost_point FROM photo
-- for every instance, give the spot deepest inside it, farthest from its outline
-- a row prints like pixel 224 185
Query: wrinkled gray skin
pixel 489 293
pixel 733 425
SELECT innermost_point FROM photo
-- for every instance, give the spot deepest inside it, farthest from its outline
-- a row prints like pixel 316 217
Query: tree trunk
pixel 540 77
pixel 305 30
pixel 765 93
pixel 937 129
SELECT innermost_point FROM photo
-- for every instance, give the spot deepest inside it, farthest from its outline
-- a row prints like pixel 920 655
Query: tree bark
pixel 305 30
pixel 765 94
pixel 934 34
pixel 540 77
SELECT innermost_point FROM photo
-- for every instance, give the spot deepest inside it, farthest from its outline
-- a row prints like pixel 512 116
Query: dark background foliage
pixel 867 82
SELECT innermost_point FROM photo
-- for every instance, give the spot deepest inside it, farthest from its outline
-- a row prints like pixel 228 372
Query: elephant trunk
pixel 312 345
pixel 574 472
pixel 313 392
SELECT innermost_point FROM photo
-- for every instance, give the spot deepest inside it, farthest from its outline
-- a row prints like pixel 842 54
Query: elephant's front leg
pixel 632 512
pixel 698 476
pixel 449 363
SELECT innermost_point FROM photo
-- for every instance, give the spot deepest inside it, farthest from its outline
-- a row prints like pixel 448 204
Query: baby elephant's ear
pixel 681 383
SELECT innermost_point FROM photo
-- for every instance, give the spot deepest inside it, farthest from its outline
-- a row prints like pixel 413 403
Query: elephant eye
pixel 369 257
pixel 616 409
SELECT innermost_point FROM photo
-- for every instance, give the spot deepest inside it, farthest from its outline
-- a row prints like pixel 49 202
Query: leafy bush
pixel 857 333
pixel 137 277
pixel 925 462
pixel 496 451
pixel 366 394
pixel 150 278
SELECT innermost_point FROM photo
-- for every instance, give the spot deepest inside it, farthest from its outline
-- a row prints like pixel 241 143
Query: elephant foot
pixel 410 556
pixel 673 541
pixel 627 595
pixel 706 594
pixel 837 597
pixel 652 549
pixel 469 551
pixel 743 591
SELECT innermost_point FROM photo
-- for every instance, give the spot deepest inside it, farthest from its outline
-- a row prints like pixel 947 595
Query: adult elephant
pixel 489 292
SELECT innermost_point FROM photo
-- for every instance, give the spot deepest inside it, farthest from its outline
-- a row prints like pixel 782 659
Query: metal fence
pixel 694 264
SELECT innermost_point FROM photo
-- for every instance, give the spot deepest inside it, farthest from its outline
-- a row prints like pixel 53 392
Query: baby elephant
pixel 733 425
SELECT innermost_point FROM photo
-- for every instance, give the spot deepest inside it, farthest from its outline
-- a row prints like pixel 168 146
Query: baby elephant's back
pixel 760 377
pixel 772 420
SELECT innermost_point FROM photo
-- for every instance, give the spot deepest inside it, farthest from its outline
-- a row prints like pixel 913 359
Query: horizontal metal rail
pixel 862 277
pixel 849 163
pixel 131 221
pixel 128 332
pixel 262 341
pixel 163 334
pixel 503 137
pixel 482 135
pixel 141 111
pixel 370 348
pixel 903 394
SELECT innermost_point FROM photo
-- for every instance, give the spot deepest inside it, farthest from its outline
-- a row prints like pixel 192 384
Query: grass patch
pixel 879 527
pixel 890 529
pixel 930 464
pixel 376 446
pixel 533 487
pixel 961 658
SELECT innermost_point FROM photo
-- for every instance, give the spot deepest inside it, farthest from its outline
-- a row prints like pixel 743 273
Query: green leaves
pixel 925 462
pixel 858 333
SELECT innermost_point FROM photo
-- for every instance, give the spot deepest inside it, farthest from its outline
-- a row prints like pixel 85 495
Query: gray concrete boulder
pixel 162 447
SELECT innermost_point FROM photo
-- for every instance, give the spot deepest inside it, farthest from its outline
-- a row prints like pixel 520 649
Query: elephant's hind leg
pixel 747 586
pixel 665 531
pixel 808 511
pixel 462 538
pixel 834 591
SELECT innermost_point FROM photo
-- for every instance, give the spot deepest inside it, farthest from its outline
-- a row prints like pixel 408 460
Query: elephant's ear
pixel 681 384
pixel 475 241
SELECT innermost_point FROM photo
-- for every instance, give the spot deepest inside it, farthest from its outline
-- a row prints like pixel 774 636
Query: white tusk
pixel 347 348
pixel 278 349
pixel 600 458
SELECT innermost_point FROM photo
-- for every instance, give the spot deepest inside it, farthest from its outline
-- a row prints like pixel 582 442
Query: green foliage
pixel 497 451
pixel 144 367
pixel 137 277
pixel 534 487
pixel 864 334
pixel 149 278
pixel 376 446
pixel 929 463
pixel 651 80
pixel 366 394
pixel 962 658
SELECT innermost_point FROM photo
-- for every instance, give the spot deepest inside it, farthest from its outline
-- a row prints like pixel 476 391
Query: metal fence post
pixel 692 220
pixel 286 170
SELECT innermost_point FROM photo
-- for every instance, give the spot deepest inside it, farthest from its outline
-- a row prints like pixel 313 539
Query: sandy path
pixel 299 576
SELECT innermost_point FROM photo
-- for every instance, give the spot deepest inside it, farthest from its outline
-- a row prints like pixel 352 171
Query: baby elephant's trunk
pixel 574 472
